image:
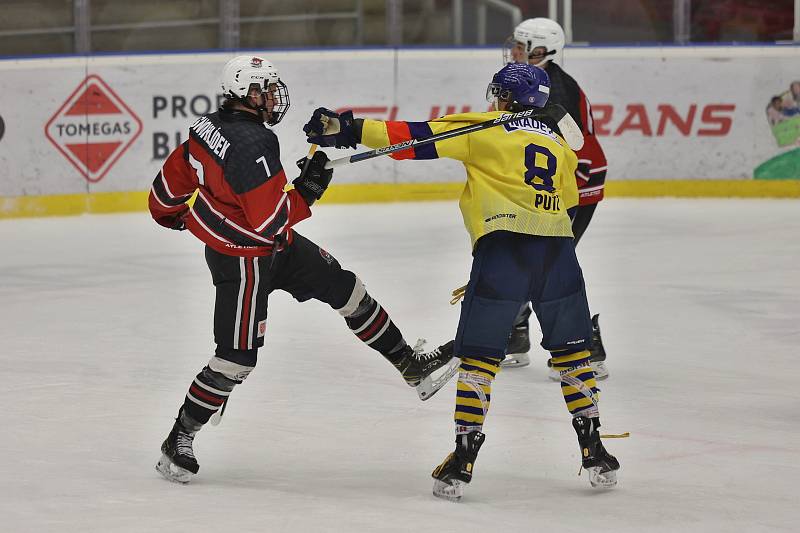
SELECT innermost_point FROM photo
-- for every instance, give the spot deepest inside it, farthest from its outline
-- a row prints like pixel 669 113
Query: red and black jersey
pixel 232 160
pixel 592 166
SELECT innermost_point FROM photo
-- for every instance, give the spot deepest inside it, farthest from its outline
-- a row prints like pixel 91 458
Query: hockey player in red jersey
pixel 245 216
pixel 540 42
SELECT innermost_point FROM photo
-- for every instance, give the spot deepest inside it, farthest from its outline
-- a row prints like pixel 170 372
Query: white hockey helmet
pixel 536 32
pixel 241 72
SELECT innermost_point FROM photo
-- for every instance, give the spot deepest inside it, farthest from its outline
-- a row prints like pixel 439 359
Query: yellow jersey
pixel 520 175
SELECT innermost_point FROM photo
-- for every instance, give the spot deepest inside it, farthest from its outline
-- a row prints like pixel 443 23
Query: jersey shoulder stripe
pixel 399 131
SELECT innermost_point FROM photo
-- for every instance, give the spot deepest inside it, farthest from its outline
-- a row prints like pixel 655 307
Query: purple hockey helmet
pixel 527 85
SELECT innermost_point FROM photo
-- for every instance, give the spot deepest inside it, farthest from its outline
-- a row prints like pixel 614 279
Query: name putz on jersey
pixel 210 134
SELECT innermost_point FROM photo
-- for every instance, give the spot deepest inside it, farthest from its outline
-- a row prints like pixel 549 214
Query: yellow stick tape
pixel 616 435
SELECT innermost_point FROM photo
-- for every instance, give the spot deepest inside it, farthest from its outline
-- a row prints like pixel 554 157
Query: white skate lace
pixel 418 353
pixel 428 356
pixel 184 445
pixel 422 356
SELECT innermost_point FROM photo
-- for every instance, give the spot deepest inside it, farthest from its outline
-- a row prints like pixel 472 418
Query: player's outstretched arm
pixel 328 128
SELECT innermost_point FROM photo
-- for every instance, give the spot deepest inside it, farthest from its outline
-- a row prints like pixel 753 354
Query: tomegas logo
pixel 93 128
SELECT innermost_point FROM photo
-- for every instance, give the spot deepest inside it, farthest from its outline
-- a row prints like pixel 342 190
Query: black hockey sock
pixel 371 323
pixel 188 422
pixel 208 392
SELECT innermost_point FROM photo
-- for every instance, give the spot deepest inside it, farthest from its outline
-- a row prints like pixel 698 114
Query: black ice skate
pixel 601 465
pixel 418 367
pixel 177 462
pixel 597 355
pixel 455 472
pixel 519 344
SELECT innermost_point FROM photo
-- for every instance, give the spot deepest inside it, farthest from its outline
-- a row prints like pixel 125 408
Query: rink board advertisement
pixel 105 124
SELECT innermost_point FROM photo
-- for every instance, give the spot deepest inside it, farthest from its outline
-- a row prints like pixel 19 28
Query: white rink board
pixel 728 88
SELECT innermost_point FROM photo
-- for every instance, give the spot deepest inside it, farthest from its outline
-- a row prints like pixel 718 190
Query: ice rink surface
pixel 106 319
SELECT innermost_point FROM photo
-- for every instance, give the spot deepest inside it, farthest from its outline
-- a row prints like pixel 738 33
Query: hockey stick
pixel 308 157
pixel 565 122
pixel 569 128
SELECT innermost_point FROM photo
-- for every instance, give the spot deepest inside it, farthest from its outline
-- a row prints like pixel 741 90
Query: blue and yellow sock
pixel 474 393
pixel 577 381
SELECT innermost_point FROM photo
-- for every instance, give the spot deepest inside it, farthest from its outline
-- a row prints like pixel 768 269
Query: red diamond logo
pixel 93 128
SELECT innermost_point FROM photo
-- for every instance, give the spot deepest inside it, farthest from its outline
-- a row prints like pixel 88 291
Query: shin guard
pixel 578 383
pixel 474 393
pixel 371 323
pixel 212 386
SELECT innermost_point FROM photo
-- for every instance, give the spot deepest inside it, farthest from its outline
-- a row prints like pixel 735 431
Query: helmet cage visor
pixel 495 92
pixel 524 50
pixel 278 94
pixel 509 46
pixel 275 100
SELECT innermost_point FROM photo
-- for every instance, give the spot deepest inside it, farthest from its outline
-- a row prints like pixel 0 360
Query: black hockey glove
pixel 314 178
pixel 327 128
pixel 176 221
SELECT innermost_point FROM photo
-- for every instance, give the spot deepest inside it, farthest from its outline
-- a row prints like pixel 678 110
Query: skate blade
pixel 515 360
pixel 431 385
pixel 602 480
pixel 173 472
pixel 448 492
pixel 600 370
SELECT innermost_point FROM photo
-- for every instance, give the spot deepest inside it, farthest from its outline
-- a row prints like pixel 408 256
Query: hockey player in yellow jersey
pixel 520 183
